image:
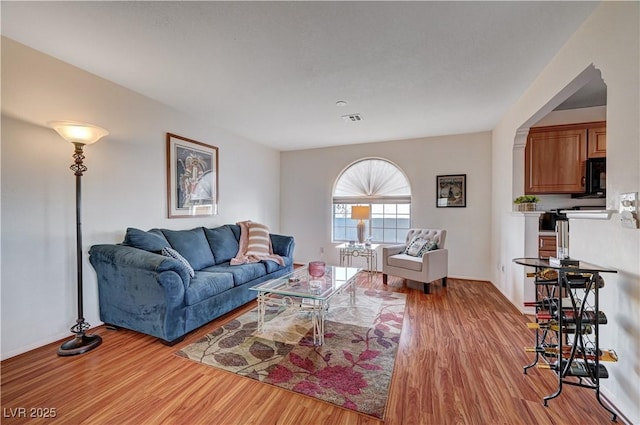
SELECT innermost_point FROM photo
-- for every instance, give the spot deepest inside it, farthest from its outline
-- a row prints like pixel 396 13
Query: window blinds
pixel 372 181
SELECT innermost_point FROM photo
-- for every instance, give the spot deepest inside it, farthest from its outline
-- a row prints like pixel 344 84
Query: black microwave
pixel 549 219
pixel 596 176
pixel 595 179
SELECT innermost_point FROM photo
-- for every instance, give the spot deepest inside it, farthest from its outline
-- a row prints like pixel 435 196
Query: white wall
pixel 609 40
pixel 307 182
pixel 123 187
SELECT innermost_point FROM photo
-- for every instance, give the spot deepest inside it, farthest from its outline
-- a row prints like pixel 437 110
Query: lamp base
pixel 360 228
pixel 80 344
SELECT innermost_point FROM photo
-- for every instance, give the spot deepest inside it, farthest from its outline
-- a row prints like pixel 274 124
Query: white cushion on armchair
pixel 432 265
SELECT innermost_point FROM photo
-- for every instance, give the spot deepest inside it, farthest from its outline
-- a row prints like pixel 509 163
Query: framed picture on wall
pixel 451 190
pixel 192 177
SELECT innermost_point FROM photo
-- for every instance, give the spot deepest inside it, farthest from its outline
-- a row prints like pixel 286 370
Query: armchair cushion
pixel 437 235
pixel 406 261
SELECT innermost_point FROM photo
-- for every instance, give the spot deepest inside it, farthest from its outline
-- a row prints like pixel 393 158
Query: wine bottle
pixel 545 274
pixel 579 368
pixel 547 352
pixel 545 315
pixel 580 280
pixel 588 316
pixel 569 328
pixel 543 303
pixel 549 303
pixel 606 355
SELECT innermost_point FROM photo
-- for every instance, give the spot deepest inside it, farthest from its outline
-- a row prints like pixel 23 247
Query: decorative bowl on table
pixel 317 268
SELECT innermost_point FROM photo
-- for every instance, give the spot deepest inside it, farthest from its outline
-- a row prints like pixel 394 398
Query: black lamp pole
pixel 82 342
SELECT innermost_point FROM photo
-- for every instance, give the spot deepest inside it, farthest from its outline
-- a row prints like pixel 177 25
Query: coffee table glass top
pixel 300 284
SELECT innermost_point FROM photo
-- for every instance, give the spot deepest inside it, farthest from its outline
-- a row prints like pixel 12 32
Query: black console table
pixel 567 325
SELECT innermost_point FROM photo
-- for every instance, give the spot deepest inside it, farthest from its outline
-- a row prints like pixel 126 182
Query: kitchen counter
pixel 588 214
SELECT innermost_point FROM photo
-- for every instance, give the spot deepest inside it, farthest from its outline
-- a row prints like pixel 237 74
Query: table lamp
pixel 360 212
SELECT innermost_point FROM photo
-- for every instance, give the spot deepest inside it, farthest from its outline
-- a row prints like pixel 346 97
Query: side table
pixel 350 251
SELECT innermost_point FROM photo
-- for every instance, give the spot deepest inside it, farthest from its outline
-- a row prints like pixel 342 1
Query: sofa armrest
pixel 122 256
pixel 140 290
pixel 282 245
pixel 125 262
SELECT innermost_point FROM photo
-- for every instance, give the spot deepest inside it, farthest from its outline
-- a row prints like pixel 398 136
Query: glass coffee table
pixel 309 294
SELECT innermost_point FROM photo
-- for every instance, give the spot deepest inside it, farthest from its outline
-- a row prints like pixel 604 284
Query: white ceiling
pixel 273 71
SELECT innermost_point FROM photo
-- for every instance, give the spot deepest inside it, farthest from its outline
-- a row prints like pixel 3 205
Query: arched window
pixel 383 187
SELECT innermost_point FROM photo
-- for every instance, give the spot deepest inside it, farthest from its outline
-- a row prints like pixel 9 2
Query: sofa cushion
pixel 192 245
pixel 242 273
pixel 223 243
pixel 207 284
pixel 235 228
pixel 172 253
pixel 149 241
pixel 405 261
pixel 282 245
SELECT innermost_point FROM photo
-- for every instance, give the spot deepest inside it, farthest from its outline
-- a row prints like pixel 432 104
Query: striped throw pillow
pixel 259 243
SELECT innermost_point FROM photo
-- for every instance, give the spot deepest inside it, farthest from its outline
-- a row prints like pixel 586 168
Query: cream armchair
pixel 432 265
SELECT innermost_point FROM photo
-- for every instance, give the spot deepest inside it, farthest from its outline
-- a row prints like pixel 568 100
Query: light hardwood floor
pixel 459 362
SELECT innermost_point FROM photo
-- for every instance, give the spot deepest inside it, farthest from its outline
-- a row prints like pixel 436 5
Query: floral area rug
pixel 352 369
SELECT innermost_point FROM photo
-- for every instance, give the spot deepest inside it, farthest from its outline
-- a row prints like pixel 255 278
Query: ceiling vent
pixel 352 118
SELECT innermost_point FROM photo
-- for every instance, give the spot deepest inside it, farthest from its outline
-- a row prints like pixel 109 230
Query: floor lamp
pixel 79 134
pixel 360 213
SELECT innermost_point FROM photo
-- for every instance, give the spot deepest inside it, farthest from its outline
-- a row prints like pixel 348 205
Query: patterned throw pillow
pixel 170 252
pixel 406 250
pixel 429 246
pixel 415 247
pixel 419 246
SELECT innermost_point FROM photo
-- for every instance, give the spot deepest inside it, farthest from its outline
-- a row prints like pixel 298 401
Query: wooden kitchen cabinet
pixel 546 246
pixel 555 156
pixel 555 159
pixel 597 141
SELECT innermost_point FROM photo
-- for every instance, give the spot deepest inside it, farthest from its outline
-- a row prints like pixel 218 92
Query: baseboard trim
pixel 607 397
pixel 54 339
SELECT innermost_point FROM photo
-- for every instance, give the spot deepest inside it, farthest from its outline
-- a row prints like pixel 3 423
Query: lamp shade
pixel 360 212
pixel 78 132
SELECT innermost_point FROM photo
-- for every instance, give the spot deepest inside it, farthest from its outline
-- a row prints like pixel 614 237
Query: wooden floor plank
pixel 459 361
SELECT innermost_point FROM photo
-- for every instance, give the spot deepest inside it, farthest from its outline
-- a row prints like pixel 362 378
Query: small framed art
pixel 192 177
pixel 451 190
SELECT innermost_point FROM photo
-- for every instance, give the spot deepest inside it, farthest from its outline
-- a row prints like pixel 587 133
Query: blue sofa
pixel 142 290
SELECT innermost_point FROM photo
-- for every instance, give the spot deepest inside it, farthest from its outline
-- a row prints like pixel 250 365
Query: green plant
pixel 526 199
